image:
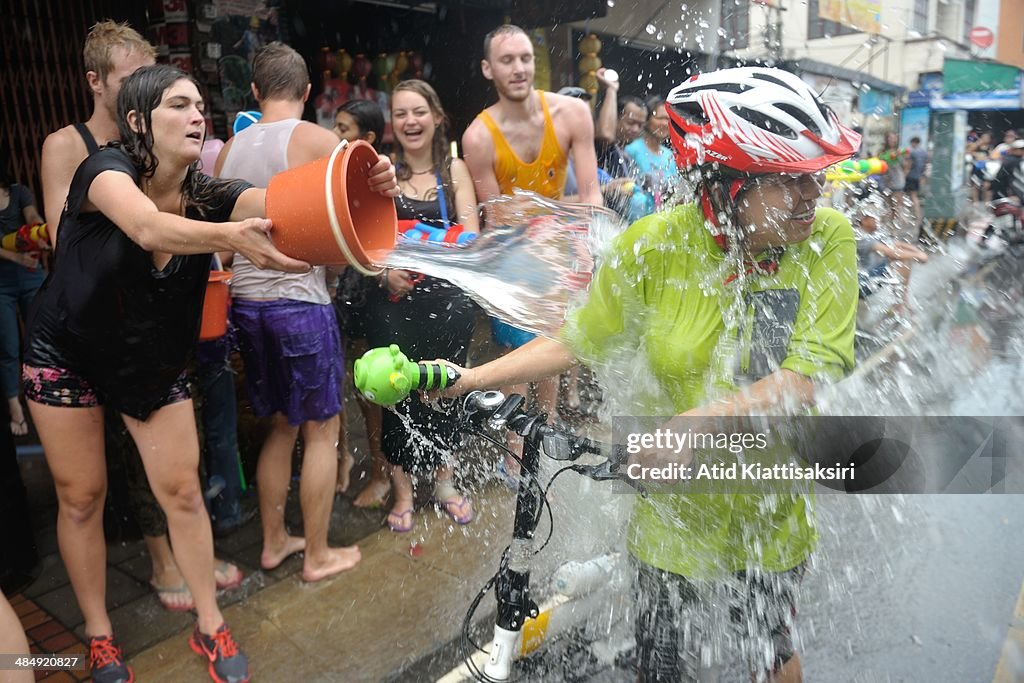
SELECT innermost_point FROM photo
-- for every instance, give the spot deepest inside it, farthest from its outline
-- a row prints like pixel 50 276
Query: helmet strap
pixel 764 266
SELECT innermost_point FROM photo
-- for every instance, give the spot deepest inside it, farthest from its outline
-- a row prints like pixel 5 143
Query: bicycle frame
pixel 512 583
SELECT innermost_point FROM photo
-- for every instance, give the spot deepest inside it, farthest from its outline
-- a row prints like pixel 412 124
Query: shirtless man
pixel 527 124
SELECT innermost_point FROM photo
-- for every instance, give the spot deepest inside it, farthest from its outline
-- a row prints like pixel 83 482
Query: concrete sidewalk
pixel 407 597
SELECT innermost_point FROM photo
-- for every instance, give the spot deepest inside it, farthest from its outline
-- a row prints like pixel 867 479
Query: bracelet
pixel 382 279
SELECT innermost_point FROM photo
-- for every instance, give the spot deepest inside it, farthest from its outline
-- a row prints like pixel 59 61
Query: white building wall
pixel 898 54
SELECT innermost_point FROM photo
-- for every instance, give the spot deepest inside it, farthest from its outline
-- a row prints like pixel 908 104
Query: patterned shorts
pixel 63 388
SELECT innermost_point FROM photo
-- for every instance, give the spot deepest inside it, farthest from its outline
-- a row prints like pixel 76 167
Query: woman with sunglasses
pixel 740 302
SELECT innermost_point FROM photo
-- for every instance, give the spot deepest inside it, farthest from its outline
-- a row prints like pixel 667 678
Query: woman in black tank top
pixel 427 317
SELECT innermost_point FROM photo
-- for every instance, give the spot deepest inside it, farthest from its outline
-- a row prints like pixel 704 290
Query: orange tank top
pixel 545 175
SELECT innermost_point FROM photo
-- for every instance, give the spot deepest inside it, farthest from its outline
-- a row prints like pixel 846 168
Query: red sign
pixel 981 36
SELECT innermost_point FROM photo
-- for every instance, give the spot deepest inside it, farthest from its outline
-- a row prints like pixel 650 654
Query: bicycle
pixel 386 376
pixel 511 582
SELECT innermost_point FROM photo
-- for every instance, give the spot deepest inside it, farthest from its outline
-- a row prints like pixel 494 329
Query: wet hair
pixel 440 151
pixel 103 37
pixel 368 117
pixel 142 92
pixel 915 140
pixel 653 104
pixel 279 72
pixel 630 99
pixel 503 30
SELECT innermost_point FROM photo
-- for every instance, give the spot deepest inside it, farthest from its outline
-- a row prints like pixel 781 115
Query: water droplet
pixel 661 34
pixel 678 37
pixel 611 3
pixel 703 24
pixel 651 28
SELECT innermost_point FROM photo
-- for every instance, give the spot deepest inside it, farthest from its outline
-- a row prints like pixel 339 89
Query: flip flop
pixel 458 508
pixel 223 567
pixel 163 592
pixel 396 521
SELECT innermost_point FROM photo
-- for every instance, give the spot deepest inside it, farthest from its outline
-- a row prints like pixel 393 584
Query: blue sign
pixel 877 102
pixel 931 95
pixel 914 124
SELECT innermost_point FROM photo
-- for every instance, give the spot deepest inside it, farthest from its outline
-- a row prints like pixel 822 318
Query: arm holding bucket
pixel 115 195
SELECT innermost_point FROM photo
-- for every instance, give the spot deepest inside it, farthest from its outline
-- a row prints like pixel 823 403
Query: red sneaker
pixel 106 662
pixel 228 664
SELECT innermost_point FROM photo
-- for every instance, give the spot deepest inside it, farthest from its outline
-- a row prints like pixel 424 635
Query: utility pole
pixel 773 30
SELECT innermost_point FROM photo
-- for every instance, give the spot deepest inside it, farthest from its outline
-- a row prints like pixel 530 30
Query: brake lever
pixel 610 469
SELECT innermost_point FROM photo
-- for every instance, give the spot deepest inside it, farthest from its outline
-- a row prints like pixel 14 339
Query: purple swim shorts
pixel 293 358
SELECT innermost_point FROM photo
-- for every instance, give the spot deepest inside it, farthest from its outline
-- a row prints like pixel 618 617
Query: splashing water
pixel 532 259
pixel 960 356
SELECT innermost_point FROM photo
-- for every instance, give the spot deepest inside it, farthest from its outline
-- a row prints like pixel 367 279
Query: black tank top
pixel 105 313
pixel 87 137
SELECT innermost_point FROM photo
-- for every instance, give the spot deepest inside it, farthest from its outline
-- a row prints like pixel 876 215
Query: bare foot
pixel 19 426
pixel 271 558
pixel 373 495
pixel 336 561
pixel 345 463
pixel 227 575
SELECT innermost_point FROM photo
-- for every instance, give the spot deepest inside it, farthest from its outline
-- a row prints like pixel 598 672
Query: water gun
pixel 415 230
pixel 856 170
pixel 27 238
pixel 385 375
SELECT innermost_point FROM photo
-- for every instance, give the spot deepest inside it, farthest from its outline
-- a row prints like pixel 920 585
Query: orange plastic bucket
pixel 215 306
pixel 324 212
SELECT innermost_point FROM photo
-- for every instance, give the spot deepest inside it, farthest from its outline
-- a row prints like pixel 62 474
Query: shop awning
pixel 973 85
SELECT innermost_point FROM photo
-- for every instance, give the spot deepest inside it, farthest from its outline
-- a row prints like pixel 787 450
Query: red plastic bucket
pixel 324 212
pixel 215 306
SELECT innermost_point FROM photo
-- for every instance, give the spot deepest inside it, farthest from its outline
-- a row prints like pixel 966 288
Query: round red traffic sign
pixel 981 36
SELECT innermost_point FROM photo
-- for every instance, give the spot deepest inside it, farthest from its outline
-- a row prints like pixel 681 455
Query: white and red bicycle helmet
pixel 755 120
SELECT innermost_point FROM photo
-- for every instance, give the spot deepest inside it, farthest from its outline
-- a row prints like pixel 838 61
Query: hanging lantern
pixel 589 64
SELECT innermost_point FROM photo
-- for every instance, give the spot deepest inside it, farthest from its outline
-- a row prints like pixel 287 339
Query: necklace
pixel 429 170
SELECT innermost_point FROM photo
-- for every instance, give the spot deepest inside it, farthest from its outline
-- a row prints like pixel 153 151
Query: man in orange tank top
pixel 527 124
pixel 525 141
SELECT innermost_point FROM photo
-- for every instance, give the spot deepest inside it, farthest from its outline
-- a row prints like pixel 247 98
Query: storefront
pixel 992 94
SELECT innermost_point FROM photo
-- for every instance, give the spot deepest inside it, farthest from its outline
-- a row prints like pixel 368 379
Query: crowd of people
pixel 135 222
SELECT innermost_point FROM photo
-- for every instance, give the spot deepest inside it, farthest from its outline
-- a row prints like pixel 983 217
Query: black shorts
pixel 687 630
pixel 912 185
